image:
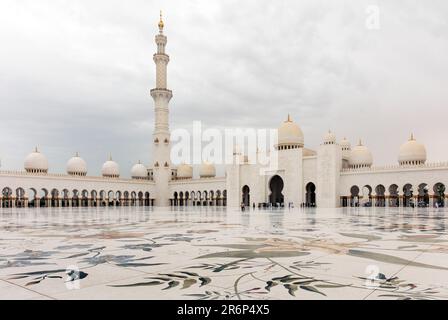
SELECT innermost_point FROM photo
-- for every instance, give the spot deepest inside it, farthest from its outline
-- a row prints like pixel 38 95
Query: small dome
pixel 207 170
pixel 345 144
pixel 289 133
pixel 110 169
pixel 330 138
pixel 77 166
pixel 412 153
pixel 360 156
pixel 36 162
pixel 346 148
pixel 184 171
pixel 139 171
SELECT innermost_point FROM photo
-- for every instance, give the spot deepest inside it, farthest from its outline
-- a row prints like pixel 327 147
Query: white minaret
pixel 161 136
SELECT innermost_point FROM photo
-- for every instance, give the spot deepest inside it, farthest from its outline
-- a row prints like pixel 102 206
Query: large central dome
pixel 290 134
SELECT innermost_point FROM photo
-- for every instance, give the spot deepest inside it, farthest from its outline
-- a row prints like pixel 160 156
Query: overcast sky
pixel 75 75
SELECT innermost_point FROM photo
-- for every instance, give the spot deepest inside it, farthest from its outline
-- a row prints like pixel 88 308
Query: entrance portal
pixel 276 185
pixel 310 195
pixel 246 196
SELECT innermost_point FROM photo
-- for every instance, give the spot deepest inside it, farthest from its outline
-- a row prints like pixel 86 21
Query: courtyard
pixel 221 253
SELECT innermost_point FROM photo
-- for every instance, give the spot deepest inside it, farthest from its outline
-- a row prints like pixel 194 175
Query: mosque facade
pixel 334 175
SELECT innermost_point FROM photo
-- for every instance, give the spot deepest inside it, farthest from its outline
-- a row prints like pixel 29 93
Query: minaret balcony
pixel 161 57
pixel 161 93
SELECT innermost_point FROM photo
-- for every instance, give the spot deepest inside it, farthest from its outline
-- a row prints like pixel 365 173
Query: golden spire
pixel 161 24
pixel 360 142
pixel 412 137
pixel 289 118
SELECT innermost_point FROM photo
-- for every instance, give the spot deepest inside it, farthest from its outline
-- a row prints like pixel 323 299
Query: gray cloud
pixel 75 75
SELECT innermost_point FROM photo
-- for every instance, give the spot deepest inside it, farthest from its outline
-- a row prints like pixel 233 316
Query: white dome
pixel 330 138
pixel 289 133
pixel 346 148
pixel 36 162
pixel 139 171
pixel 412 152
pixel 110 169
pixel 77 166
pixel 207 170
pixel 360 156
pixel 184 171
pixel 345 144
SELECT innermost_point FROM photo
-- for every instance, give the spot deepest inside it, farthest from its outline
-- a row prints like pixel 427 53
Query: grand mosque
pixel 336 174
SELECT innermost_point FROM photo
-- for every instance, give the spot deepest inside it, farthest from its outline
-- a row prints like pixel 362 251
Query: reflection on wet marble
pixel 218 253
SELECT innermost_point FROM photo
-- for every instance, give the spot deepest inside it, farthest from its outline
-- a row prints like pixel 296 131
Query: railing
pixel 197 180
pixel 397 167
pixel 62 175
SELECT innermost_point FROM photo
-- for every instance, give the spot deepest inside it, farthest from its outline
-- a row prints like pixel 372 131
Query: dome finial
pixel 289 118
pixel 110 156
pixel 360 142
pixel 161 24
pixel 77 154
pixel 412 137
pixel 36 149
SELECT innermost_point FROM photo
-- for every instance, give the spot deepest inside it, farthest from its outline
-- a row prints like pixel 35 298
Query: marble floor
pixel 214 253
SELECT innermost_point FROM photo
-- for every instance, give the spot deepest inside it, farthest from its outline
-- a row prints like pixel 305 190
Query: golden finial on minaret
pixel 161 24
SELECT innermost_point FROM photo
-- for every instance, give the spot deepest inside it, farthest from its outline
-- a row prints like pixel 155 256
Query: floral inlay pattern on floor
pixel 129 253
